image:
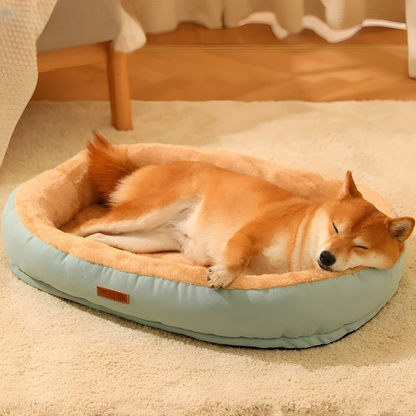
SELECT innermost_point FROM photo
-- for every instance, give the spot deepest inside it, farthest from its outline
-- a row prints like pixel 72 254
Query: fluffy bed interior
pixel 51 199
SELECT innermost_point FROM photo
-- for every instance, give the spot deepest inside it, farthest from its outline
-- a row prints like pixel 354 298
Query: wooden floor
pixel 249 63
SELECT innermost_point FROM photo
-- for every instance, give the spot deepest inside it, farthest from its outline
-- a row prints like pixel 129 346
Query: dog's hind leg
pixel 139 242
pixel 121 221
pixel 106 224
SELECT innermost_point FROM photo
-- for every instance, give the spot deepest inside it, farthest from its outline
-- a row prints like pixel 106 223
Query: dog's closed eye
pixel 335 228
pixel 361 247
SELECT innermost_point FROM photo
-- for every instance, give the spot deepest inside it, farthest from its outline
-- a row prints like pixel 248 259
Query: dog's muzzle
pixel 326 260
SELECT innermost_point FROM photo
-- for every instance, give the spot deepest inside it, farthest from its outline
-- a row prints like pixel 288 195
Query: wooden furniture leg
pixel 117 69
pixel 119 86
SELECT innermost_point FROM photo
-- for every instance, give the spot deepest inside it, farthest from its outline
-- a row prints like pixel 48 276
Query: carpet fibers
pixel 60 358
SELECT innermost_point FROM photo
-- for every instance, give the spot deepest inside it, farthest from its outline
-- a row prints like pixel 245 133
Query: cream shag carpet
pixel 59 358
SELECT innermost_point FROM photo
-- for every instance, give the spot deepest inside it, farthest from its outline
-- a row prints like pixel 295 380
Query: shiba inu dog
pixel 233 223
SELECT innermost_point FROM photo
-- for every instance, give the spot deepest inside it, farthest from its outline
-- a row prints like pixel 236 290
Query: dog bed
pixel 293 310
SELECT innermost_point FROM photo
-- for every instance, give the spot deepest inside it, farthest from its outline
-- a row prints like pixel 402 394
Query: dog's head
pixel 355 233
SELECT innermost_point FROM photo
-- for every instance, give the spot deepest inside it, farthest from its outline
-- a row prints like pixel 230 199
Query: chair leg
pixel 119 88
pixel 411 35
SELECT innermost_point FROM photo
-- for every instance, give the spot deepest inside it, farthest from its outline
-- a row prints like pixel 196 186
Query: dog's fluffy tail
pixel 108 164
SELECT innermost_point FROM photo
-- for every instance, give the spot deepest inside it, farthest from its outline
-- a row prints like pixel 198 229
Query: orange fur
pixel 232 222
pixel 107 165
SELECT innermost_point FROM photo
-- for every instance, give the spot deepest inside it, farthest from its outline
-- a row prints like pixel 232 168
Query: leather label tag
pixel 111 294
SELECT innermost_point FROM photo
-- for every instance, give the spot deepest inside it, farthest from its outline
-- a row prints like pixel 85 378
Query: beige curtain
pixel 156 16
pixel 21 23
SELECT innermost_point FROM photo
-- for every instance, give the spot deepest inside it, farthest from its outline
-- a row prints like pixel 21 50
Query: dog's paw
pixel 219 277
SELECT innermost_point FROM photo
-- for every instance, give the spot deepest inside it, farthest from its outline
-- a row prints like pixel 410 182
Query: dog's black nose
pixel 327 258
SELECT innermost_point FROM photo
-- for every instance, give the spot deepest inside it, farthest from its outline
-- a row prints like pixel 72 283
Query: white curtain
pixel 156 16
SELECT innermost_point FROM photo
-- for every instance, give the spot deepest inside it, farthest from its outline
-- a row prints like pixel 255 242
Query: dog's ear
pixel 350 189
pixel 401 228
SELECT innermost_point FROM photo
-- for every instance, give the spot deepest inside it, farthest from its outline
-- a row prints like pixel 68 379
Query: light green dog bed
pixel 294 310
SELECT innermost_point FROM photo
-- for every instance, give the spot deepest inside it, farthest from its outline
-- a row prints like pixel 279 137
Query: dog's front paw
pixel 219 277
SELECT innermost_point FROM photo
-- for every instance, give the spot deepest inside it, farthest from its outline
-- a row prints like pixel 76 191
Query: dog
pixel 234 223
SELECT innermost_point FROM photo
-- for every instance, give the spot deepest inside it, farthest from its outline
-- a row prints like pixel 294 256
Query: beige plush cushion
pixel 53 198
